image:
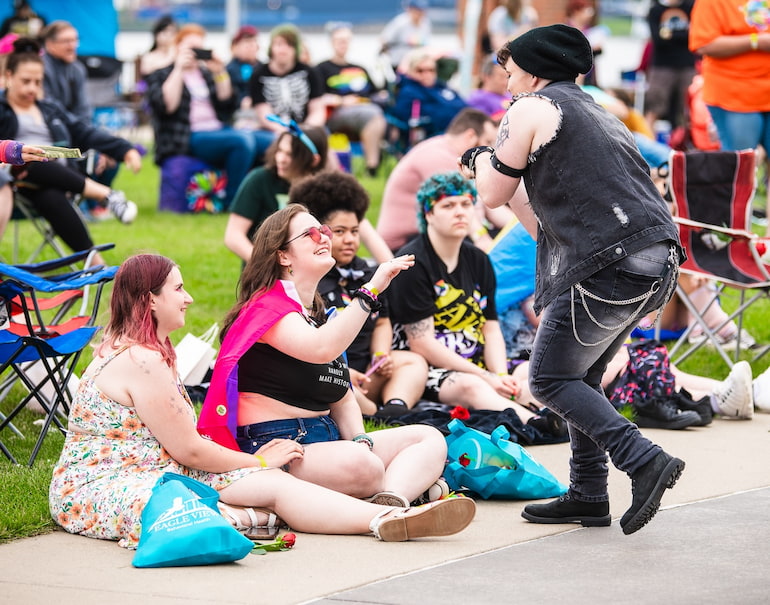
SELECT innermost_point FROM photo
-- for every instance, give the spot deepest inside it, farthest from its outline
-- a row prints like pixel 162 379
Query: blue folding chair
pixel 55 347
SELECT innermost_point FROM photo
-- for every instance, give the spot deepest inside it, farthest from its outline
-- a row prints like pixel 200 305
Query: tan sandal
pixel 440 518
pixel 254 531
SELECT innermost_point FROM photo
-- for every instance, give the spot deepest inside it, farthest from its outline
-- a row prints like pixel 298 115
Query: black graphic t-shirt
pixel 460 302
pixel 288 94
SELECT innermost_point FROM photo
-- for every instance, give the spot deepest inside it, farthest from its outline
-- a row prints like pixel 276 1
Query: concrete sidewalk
pixel 709 544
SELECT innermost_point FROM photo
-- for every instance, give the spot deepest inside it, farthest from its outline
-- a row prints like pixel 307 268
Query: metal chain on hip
pixel 641 299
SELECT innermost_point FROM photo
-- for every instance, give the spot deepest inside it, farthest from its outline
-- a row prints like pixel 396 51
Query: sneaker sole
pixel 389 499
pixel 584 521
pixel 646 512
pixel 440 518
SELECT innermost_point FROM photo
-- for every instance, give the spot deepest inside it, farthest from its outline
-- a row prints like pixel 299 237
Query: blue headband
pixel 295 131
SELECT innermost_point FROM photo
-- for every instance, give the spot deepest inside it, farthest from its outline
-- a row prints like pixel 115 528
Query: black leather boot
pixel 647 486
pixel 567 510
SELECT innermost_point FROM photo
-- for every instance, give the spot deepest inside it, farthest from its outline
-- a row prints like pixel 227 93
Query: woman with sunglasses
pixel 281 374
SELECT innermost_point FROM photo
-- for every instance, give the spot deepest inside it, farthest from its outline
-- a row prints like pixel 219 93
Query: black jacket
pixel 66 129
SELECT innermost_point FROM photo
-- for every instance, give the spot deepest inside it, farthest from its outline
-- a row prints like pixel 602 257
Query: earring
pixel 291 271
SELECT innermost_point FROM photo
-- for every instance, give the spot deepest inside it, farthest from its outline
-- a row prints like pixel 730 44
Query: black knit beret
pixel 554 52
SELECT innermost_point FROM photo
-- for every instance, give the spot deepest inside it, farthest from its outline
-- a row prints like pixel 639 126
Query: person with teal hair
pixel 444 309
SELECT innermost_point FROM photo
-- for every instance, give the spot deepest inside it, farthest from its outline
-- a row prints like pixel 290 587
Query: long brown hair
pixel 131 318
pixel 263 269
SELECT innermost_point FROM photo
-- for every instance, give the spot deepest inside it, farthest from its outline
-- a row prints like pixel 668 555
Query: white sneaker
pixel 762 392
pixel 734 395
pixel 125 210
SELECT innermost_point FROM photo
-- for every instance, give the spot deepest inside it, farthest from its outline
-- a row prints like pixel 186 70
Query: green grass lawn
pixel 210 272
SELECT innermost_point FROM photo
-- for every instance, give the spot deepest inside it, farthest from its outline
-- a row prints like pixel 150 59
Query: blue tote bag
pixel 181 526
pixel 494 467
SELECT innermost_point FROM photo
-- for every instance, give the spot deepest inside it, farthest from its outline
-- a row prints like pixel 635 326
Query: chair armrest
pixel 742 233
pixel 58 263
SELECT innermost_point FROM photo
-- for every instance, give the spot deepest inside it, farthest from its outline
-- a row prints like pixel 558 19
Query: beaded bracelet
pixel 364 438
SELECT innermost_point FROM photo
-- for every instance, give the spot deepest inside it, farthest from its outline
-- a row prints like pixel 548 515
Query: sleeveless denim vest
pixel 591 192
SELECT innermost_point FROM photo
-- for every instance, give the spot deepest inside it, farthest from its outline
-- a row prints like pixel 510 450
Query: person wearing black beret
pixel 607 255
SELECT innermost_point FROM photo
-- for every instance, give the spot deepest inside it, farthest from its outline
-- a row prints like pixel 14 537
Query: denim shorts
pixel 316 429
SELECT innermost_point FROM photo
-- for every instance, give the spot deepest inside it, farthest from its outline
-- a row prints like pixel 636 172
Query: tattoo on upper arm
pixel 419 328
pixel 503 132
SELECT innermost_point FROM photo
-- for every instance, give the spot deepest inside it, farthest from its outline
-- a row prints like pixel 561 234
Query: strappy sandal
pixel 440 518
pixel 255 531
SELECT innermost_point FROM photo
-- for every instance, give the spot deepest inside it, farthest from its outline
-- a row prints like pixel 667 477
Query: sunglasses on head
pixel 314 233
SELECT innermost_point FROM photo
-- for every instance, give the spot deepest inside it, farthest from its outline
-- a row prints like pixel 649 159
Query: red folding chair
pixel 713 192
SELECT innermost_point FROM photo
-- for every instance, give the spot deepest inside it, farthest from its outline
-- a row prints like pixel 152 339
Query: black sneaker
pixel 659 413
pixel 647 487
pixel 567 510
pixel 702 407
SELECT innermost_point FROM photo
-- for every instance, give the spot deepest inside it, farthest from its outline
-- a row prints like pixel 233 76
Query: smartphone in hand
pixel 202 54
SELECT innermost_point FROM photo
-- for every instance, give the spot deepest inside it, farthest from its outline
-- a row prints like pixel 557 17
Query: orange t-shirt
pixel 737 83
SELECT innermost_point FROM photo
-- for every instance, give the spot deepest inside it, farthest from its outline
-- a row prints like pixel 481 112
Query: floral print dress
pixel 109 465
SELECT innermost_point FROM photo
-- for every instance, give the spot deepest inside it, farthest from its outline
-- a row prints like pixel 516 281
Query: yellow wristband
pixel 221 77
pixel 371 289
pixel 754 41
pixel 261 459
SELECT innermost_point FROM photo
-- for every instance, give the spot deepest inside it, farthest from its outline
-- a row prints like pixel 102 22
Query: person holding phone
pixel 192 102
pixel 386 382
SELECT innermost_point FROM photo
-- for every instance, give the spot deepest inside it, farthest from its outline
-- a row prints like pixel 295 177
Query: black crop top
pixel 310 386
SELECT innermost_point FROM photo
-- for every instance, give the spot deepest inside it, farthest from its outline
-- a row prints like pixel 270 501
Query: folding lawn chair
pixel 713 191
pixel 55 348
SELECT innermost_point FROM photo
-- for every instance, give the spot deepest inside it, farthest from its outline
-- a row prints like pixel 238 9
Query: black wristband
pixel 468 158
pixel 364 297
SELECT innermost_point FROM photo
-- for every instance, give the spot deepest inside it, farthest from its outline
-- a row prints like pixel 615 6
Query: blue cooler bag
pixel 181 525
pixel 494 467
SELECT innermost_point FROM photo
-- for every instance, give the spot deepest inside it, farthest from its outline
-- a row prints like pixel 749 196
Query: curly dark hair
pixel 328 192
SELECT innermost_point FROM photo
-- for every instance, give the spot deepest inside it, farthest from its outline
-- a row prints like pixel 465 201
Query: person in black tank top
pixel 278 306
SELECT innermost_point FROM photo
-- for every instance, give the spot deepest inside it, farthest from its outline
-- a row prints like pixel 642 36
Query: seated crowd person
pixel 397 223
pixel 131 421
pixel 385 382
pixel 25 116
pixel 491 96
pixel 163 49
pixel 406 31
pixel 280 371
pixel 348 92
pixel 65 76
pixel 192 103
pixel 244 48
pixel 444 308
pixel 285 85
pixel 294 155
pixel 438 103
